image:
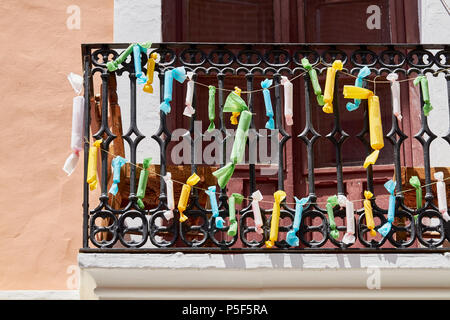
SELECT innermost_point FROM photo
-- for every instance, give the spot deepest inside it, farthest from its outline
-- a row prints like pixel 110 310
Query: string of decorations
pixel 209 191
pixel 235 105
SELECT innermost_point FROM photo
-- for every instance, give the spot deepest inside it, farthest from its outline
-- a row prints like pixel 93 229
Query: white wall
pixel 139 21
pixel 435 28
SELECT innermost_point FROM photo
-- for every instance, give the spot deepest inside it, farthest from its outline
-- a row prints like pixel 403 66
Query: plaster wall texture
pixel 41 217
pixel 434 28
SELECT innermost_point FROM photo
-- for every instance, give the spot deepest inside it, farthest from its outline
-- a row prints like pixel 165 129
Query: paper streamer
pixel 150 72
pixel 168 214
pixel 291 236
pixel 395 92
pixel 270 124
pixel 375 127
pixel 178 74
pixel 92 165
pixel 368 213
pixel 288 100
pixel 425 94
pixel 235 114
pixel 349 236
pixel 184 197
pixel 116 165
pixel 314 81
pixel 137 50
pixel 278 197
pixel 114 65
pixel 235 198
pixel 76 140
pixel 329 85
pixel 414 181
pixel 224 174
pixel 189 110
pixel 212 108
pixel 142 185
pixel 386 228
pixel 256 198
pixel 364 72
pixel 211 192
pixel 442 195
pixel 331 203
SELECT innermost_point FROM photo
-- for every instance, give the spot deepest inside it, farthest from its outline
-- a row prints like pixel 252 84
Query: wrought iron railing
pixel 248 60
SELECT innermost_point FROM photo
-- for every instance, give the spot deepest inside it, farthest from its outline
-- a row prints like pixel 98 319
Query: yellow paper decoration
pixel 329 86
pixel 368 213
pixel 150 71
pixel 375 126
pixel 92 165
pixel 184 197
pixel 278 196
pixel 235 115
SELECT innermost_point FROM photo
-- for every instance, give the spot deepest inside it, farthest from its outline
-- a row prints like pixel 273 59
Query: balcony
pixel 318 156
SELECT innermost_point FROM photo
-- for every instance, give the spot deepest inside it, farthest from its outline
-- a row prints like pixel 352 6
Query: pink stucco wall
pixel 40 207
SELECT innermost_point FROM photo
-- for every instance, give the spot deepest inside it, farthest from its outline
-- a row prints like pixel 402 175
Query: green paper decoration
pixel 212 108
pixel 331 203
pixel 235 198
pixel 314 81
pixel 143 178
pixel 427 107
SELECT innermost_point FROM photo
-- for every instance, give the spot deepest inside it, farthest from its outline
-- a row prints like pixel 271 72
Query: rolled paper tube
pixel 329 86
pixel 170 198
pixel 375 129
pixel 364 72
pixel 368 213
pixel 349 236
pixel 414 181
pixel 314 80
pixel 442 195
pixel 288 100
pixel 352 92
pixel 211 192
pixel 275 221
pixel 386 228
pixel 395 93
pixel 212 108
pixel 235 198
pixel 291 237
pixel 168 87
pixel 235 114
pixel 425 94
pixel 116 165
pixel 150 72
pixel 76 141
pixel 224 174
pixel 189 110
pixel 256 198
pixel 114 65
pixel 185 192
pixel 137 49
pixel 178 74
pixel 143 179
pixel 331 203
pixel 92 164
pixel 270 124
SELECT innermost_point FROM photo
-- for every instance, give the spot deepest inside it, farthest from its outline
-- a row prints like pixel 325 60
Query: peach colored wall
pixel 40 207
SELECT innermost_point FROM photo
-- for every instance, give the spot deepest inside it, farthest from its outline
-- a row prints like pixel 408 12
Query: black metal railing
pixel 249 60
